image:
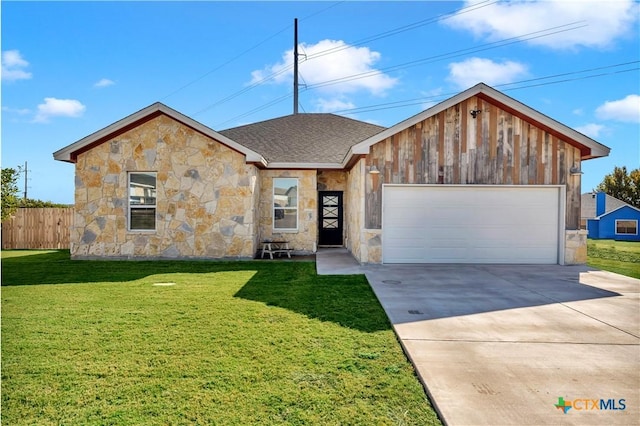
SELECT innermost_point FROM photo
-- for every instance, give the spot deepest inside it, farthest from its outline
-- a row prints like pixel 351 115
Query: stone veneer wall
pixel 354 205
pixel 206 196
pixel 305 238
pixel 372 245
pixel 575 247
pixel 364 244
pixel 332 180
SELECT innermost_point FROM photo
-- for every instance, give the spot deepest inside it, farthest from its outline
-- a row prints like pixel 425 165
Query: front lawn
pixel 622 257
pixel 195 342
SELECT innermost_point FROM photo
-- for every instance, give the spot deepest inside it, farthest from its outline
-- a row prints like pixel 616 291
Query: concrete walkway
pixel 500 344
pixel 336 261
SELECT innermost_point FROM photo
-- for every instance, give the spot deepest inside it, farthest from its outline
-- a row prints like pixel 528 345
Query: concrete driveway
pixel 500 344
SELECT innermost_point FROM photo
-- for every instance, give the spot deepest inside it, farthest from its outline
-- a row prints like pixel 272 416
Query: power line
pixel 444 96
pixel 431 59
pixel 405 28
pixel 435 98
pixel 244 52
pixel 455 54
pixel 335 49
pixel 257 109
pixel 246 89
pixel 226 63
pixel 438 98
pixel 416 101
pixel 321 11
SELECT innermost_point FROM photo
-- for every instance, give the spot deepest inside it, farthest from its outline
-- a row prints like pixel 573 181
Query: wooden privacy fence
pixel 38 228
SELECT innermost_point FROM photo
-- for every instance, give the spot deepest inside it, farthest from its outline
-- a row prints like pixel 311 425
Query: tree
pixel 30 203
pixel 622 185
pixel 10 199
pixel 9 194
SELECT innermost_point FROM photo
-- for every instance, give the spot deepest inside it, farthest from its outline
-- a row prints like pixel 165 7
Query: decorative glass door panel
pixel 330 218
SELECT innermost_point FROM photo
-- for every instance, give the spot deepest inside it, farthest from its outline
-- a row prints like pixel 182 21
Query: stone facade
pixel 575 247
pixel 211 204
pixel 364 244
pixel 304 239
pixel 332 180
pixel 206 196
pixel 354 205
pixel 371 246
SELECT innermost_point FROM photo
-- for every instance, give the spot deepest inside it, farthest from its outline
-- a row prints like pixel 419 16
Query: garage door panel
pixel 405 231
pixel 408 255
pixel 456 224
pixel 444 243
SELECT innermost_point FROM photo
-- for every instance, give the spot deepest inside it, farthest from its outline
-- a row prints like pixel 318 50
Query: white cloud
pixel 53 107
pixel 19 111
pixel 627 109
pixel 104 82
pixel 605 21
pixel 344 61
pixel 591 129
pixel 476 70
pixel 13 65
pixel 331 105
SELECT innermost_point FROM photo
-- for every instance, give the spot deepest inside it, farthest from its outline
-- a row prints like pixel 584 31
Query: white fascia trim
pixel 64 154
pixel 615 210
pixel 304 166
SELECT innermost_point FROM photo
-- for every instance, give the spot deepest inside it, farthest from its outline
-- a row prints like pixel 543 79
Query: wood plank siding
pixel 495 148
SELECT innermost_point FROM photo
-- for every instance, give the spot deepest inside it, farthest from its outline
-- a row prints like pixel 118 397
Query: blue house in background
pixel 620 223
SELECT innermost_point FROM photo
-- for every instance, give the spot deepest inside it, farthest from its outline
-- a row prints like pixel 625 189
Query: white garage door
pixel 470 224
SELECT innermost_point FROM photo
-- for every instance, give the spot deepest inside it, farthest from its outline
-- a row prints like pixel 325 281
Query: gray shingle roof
pixel 303 138
pixel 588 205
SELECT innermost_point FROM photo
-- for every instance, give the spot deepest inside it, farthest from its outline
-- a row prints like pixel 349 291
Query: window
pixel 627 227
pixel 142 201
pixel 285 204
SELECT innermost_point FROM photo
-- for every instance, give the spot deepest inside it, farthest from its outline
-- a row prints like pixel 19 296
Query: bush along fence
pixel 38 228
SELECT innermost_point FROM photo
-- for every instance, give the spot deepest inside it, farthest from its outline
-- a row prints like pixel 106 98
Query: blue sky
pixel 72 68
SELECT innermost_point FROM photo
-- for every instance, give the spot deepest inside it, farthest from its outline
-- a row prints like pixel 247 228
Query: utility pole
pixel 26 173
pixel 295 66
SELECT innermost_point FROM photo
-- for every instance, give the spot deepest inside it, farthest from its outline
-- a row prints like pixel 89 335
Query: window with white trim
pixel 285 204
pixel 142 201
pixel 626 227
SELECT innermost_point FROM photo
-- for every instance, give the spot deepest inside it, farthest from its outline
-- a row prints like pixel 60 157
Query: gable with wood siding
pixel 496 147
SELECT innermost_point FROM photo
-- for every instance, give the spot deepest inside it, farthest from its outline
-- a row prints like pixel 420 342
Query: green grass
pixel 622 257
pixel 93 342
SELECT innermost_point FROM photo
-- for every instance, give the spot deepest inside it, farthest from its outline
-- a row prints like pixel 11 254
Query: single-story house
pixel 478 178
pixel 588 205
pixel 614 219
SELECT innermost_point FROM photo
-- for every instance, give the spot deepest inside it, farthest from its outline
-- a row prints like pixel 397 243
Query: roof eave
pixel 616 209
pixel 304 166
